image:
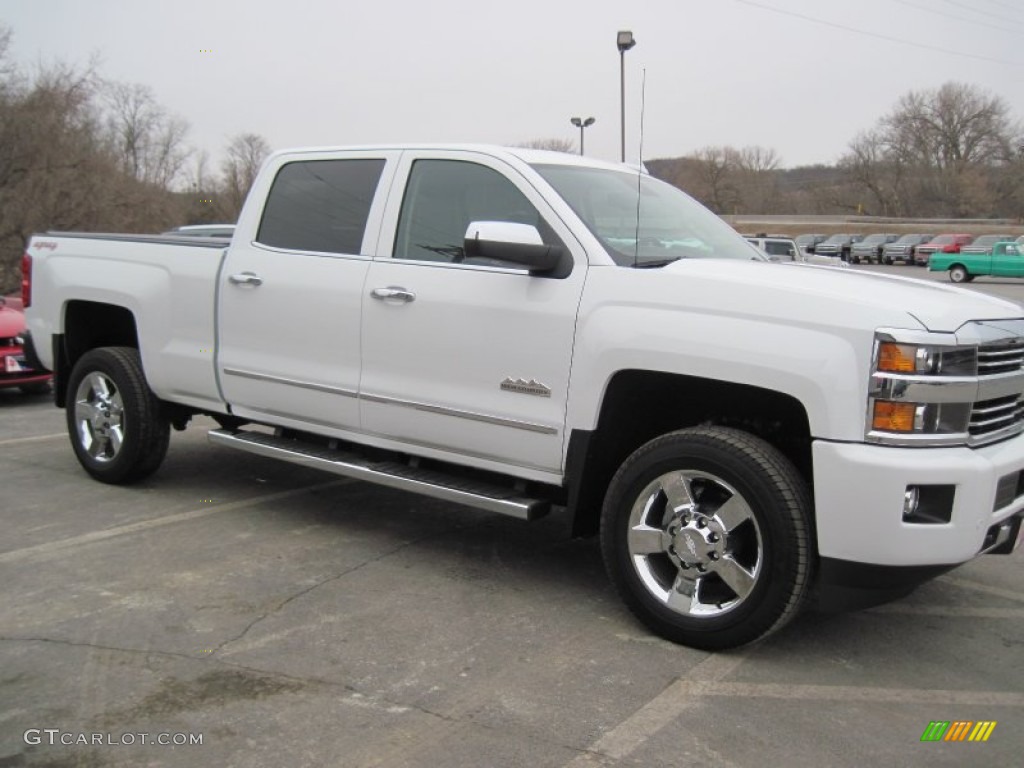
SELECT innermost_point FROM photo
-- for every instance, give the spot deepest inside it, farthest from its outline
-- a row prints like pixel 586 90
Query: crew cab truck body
pixel 515 330
pixel 1004 259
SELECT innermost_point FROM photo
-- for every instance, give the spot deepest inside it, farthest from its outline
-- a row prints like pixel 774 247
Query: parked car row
pixel 785 249
pixel 888 248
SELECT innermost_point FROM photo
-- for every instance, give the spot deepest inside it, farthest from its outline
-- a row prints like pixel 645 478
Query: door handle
pixel 246 278
pixel 393 292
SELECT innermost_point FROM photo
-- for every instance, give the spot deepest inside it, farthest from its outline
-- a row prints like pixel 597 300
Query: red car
pixel 944 243
pixel 14 370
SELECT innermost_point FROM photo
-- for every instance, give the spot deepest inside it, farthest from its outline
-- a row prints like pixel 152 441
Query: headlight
pixel 921 394
pixel 892 357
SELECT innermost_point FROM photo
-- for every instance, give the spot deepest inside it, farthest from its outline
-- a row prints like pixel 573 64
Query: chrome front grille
pixel 1000 417
pixel 996 415
pixel 1000 358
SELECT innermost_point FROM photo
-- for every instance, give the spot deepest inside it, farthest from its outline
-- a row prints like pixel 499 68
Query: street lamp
pixel 581 124
pixel 624 40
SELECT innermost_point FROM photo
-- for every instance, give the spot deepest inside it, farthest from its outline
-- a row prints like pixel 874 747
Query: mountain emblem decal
pixel 524 387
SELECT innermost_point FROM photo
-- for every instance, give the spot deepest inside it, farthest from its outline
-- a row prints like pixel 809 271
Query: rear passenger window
pixel 320 205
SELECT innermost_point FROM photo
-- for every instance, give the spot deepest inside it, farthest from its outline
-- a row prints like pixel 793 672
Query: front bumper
pixel 19 367
pixel 859 494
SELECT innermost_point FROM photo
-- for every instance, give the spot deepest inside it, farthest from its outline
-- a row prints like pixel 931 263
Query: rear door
pixel 291 297
pixel 467 359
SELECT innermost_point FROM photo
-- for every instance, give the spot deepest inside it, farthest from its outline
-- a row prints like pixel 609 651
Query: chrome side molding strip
pixel 500 421
pixel 290 382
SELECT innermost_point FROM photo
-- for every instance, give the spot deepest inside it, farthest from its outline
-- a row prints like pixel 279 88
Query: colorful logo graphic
pixel 958 730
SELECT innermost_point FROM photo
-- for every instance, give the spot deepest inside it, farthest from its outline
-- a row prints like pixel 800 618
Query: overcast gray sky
pixel 326 72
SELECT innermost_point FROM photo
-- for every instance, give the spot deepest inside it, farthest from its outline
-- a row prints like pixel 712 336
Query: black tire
pixel 745 508
pixel 115 422
pixel 959 274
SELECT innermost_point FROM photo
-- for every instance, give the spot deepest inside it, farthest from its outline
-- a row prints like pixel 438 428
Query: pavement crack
pixel 335 577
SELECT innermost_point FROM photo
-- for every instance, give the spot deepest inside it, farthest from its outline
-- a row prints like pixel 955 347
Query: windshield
pixel 672 224
pixel 909 239
pixel 840 239
pixel 943 239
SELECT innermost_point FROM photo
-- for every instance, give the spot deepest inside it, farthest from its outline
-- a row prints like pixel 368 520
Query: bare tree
pixel 149 143
pixel 57 168
pixel 937 153
pixel 245 154
pixel 715 185
pixel 753 170
pixel 871 166
pixel 555 145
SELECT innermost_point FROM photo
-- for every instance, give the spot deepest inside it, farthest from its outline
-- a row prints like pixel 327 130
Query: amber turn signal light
pixel 893 417
pixel 896 358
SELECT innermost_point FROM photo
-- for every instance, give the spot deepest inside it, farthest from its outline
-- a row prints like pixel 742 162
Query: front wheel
pixel 958 274
pixel 115 422
pixel 705 533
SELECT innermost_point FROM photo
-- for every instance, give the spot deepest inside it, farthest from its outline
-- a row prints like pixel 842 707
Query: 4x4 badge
pixel 531 387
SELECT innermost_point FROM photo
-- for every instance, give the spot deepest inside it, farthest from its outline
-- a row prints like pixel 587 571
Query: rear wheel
pixel 705 534
pixel 958 274
pixel 115 422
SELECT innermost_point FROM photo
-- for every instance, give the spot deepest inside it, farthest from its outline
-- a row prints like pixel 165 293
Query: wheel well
pixel 88 325
pixel 641 405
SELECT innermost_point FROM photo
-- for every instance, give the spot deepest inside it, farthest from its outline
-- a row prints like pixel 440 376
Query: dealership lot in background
pixel 292 618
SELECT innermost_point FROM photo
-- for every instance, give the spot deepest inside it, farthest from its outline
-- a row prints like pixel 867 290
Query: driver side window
pixel 443 197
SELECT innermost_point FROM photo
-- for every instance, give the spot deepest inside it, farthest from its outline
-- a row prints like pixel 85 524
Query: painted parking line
pixel 706 680
pixel 27 553
pixel 1009 594
pixel 948 612
pixel 663 709
pixel 848 693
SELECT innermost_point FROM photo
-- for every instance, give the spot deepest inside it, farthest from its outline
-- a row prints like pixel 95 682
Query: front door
pixel 463 358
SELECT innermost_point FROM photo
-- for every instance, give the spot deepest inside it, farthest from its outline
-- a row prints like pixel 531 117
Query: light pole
pixel 624 40
pixel 581 124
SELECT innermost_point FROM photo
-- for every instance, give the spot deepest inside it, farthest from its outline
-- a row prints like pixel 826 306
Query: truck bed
pixel 167 282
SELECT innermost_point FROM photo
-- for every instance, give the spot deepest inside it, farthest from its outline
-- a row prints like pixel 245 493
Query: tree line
pixel 78 152
pixel 951 152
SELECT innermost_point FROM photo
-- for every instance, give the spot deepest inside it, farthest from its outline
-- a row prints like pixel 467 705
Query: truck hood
pixel 797 289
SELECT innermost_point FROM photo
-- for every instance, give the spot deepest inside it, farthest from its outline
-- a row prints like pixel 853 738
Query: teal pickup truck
pixel 1006 259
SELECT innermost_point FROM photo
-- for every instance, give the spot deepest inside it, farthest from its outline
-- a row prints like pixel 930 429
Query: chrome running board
pixel 426 482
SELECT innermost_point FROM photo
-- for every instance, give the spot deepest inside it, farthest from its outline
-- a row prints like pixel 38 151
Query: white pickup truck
pixel 516 330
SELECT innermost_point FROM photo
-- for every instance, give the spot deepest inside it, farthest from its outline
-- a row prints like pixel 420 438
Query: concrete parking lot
pixel 287 617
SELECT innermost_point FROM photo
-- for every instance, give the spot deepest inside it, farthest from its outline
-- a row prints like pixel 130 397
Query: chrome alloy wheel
pixel 99 417
pixel 695 543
